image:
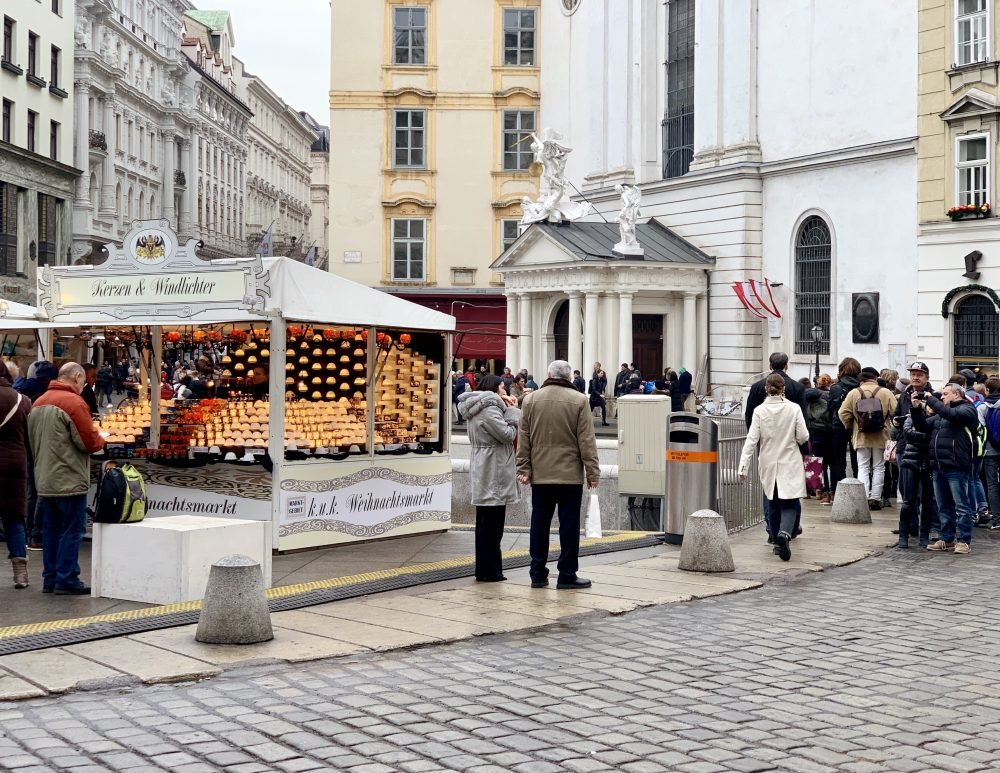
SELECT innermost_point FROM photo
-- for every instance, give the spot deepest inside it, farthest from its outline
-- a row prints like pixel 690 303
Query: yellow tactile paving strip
pixel 285 591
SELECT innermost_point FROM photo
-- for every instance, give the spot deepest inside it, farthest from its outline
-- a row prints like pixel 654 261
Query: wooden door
pixel 647 344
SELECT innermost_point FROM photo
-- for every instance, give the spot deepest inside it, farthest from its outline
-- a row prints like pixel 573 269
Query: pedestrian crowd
pixel 936 452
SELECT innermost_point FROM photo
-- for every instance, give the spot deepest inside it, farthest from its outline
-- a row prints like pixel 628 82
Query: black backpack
pixel 121 495
pixel 818 414
pixel 871 417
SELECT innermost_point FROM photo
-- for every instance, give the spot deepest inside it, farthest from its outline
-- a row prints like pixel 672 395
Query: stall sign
pixel 218 286
pixel 164 500
pixel 374 496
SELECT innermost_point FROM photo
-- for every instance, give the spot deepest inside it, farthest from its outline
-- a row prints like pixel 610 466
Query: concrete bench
pixel 168 560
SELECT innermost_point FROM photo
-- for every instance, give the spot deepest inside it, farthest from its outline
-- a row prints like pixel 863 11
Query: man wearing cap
pixel 870 445
pixel 917 512
pixel 970 381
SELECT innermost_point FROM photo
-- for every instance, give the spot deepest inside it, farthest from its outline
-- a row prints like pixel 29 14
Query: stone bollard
pixel 706 544
pixel 235 607
pixel 850 505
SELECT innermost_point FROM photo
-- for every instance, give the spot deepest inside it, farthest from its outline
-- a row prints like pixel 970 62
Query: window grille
pixel 813 253
pixel 678 123
pixel 977 338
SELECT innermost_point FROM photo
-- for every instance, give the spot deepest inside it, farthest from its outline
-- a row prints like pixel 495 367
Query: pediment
pixel 974 102
pixel 534 249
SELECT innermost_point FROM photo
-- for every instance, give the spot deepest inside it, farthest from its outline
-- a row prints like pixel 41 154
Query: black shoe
pixel 776 550
pixel 576 584
pixel 874 504
pixel 770 540
pixel 796 533
pixel 886 502
pixel 501 578
pixel 539 583
pixel 47 588
pixel 904 542
pixel 74 590
pixel 781 542
pixel 895 531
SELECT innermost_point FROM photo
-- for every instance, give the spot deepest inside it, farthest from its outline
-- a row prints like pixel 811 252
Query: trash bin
pixel 691 479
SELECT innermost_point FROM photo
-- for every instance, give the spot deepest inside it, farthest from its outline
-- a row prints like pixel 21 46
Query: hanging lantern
pixel 199 336
pixel 238 336
pixel 405 338
pixel 173 336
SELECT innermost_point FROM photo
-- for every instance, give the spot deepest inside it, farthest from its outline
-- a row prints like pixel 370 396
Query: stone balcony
pixel 98 145
pixel 180 179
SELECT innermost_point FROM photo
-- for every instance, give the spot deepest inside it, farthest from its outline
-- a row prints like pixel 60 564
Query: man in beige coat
pixel 870 446
pixel 556 452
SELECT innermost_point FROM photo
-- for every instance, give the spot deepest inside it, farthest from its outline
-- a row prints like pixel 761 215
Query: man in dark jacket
pixel 952 446
pixel 919 385
pixel 37 379
pixel 595 390
pixel 88 395
pixel 460 387
pixel 793 389
pixel 621 380
pixel 848 379
pixel 579 383
pixel 104 385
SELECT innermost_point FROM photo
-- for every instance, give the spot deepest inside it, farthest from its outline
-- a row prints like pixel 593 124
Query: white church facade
pixel 778 144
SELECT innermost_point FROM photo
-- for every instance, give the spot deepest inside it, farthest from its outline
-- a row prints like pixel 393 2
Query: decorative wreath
pixel 989 291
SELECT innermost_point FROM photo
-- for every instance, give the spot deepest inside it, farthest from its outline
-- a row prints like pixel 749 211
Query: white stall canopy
pixel 152 279
pixel 18 316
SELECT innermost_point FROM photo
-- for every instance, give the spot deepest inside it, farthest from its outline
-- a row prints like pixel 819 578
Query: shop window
pixel 976 334
pixel 813 260
pixel 972 170
pixel 408 138
pixel 46 230
pixel 972 36
pixel 408 249
pixel 8 229
pixel 678 123
pixel 518 36
pixel 409 35
pixel 518 126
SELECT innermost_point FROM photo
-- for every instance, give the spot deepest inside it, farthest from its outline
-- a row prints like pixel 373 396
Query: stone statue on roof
pixel 554 204
pixel 628 244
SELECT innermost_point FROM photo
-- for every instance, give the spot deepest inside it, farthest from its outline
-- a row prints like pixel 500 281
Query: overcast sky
pixel 287 43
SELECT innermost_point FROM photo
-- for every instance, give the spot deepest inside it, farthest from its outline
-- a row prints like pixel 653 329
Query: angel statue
pixel 554 203
pixel 628 244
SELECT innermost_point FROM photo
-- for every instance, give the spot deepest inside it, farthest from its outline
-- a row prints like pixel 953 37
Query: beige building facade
pixel 959 140
pixel 429 126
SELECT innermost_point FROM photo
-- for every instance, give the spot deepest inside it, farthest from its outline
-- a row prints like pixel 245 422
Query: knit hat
pixel 869 373
pixel 970 376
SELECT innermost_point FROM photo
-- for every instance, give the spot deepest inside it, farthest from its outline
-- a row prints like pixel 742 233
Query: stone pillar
pixel 590 322
pixel 524 332
pixel 609 338
pixel 184 217
pixel 81 126
pixel 689 334
pixel 702 314
pixel 108 204
pixel 625 353
pixel 511 342
pixel 169 213
pixel 574 351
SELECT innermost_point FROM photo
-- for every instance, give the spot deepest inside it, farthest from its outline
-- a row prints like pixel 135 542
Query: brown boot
pixel 20 572
pixel 827 498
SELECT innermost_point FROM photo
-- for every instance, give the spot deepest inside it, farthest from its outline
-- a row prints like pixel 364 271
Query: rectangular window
pixel 972 38
pixel 32 54
pixel 54 69
pixel 678 123
pixel 409 34
pixel 54 140
pixel 518 126
pixel 46 230
pixel 32 130
pixel 8 39
pixel 8 117
pixel 509 231
pixel 408 138
pixel 129 129
pixel 408 249
pixel 8 229
pixel 518 36
pixel 972 170
pixel 57 7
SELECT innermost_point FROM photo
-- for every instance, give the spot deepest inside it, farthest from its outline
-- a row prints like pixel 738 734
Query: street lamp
pixel 817 336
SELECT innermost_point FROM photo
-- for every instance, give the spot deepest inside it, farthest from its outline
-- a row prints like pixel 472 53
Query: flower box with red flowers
pixel 963 211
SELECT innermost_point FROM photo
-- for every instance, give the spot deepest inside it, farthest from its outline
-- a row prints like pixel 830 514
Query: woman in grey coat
pixel 492 469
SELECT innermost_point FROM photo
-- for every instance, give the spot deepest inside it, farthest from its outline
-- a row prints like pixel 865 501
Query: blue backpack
pixel 992 421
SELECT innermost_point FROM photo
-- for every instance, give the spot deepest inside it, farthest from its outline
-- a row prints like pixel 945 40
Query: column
pixel 625 353
pixel 184 217
pixel 574 351
pixel 168 178
pixel 609 338
pixel 524 332
pixel 82 142
pixel 689 334
pixel 589 333
pixel 702 333
pixel 108 203
pixel 511 342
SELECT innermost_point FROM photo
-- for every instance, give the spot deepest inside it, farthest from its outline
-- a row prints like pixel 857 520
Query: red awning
pixel 480 323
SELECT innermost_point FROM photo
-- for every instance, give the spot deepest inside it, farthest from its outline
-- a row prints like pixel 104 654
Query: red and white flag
pixel 757 298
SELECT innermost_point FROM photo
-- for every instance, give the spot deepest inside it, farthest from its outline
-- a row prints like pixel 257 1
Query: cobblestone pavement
pixel 891 664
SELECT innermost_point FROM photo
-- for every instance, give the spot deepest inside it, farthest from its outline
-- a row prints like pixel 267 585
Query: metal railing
pixel 740 502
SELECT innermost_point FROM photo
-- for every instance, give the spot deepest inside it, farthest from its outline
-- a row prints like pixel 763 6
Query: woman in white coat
pixel 780 428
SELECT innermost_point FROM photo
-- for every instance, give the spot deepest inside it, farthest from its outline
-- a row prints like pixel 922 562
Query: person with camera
pixel 916 484
pixel 952 429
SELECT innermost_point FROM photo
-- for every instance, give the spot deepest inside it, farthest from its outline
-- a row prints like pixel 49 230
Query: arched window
pixel 131 202
pixel 813 257
pixel 142 205
pixel 976 334
pixel 152 206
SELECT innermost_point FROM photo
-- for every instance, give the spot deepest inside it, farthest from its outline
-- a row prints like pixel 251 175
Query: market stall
pixel 325 406
pixel 19 330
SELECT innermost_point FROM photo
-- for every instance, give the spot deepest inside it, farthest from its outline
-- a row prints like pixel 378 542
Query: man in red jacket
pixel 63 437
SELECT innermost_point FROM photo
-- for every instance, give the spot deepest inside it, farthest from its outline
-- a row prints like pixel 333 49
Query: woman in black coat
pixel 14 409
